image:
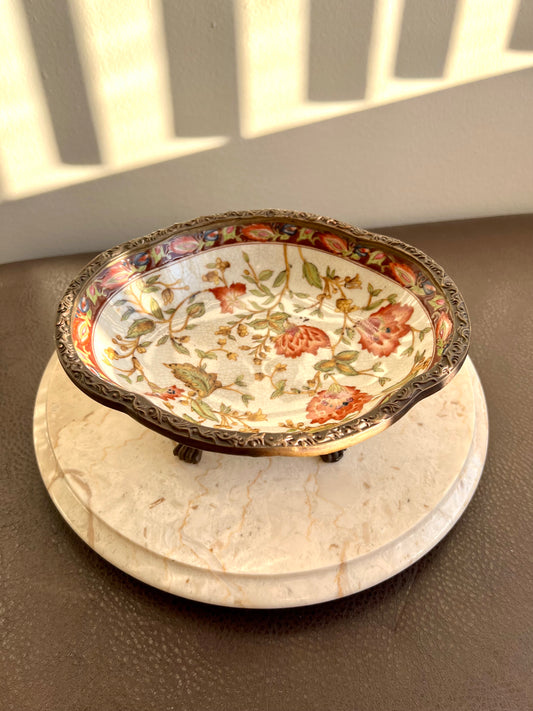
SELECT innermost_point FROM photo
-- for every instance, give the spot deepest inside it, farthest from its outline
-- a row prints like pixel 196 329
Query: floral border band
pixel 410 267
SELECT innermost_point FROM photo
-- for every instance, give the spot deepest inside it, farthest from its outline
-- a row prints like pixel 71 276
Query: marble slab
pixel 260 532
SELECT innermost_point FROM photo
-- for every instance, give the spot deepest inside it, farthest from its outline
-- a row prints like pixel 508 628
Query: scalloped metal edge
pixel 328 439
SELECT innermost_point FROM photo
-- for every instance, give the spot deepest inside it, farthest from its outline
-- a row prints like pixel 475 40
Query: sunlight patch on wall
pixel 286 51
pixel 122 52
pixel 274 50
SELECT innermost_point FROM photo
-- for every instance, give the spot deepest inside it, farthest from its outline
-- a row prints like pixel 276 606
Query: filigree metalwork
pixel 330 438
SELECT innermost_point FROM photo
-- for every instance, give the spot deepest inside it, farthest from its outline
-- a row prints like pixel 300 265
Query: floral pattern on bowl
pixel 263 332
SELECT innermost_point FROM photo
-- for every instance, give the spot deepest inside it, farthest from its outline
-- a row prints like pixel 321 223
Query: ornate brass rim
pixel 328 439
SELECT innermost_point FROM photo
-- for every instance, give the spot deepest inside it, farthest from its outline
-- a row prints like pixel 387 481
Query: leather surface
pixel 454 631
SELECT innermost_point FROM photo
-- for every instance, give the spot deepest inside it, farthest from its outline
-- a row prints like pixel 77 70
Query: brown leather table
pixel 454 631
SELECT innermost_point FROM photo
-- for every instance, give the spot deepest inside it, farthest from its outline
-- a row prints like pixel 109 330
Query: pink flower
pixel 229 296
pixel 333 405
pixel 182 244
pixel 403 274
pixel 116 275
pixel 444 327
pixel 258 232
pixel 301 339
pixel 380 333
pixel 333 243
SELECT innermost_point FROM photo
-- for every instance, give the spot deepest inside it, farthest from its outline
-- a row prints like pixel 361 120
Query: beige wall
pixel 121 117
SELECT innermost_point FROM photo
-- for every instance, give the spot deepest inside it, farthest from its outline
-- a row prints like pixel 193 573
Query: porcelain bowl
pixel 262 333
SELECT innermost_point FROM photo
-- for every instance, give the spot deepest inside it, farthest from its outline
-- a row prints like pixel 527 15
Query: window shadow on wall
pixel 200 39
pixel 339 42
pixel 425 38
pixel 62 79
pixel 522 35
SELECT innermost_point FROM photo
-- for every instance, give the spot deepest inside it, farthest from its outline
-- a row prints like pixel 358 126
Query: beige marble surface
pixel 260 532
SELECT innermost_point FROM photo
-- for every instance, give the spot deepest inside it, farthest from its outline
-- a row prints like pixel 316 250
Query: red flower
pixel 333 242
pixel 444 327
pixel 380 333
pixel 171 393
pixel 332 405
pixel 403 274
pixel 258 232
pixel 301 339
pixel 229 296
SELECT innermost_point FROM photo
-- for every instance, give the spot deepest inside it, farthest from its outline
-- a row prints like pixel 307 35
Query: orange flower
pixel 228 296
pixel 301 339
pixel 444 327
pixel 380 333
pixel 258 232
pixel 333 243
pixel 336 404
pixel 403 274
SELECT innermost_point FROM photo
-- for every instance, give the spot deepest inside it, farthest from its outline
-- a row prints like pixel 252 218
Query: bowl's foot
pixel 191 455
pixel 333 456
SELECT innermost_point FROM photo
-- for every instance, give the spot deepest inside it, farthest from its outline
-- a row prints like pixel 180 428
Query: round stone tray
pixel 260 532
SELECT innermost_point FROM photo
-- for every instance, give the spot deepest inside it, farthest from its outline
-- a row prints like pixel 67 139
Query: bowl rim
pixel 323 440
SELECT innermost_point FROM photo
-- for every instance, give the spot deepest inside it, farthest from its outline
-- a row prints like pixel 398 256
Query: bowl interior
pixel 261 327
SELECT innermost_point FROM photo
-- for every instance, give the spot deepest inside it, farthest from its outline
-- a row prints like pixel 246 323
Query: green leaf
pixel 423 332
pixel 278 281
pixel 211 265
pixel 139 378
pixel 346 356
pixel 196 310
pixel 279 316
pixel 150 289
pixel 259 323
pixel 170 311
pixel 180 348
pixel 392 298
pixel 203 409
pixel 121 302
pixel 346 369
pixel 156 309
pixel 301 295
pixel 203 354
pixel 325 366
pixel 121 375
pixel 140 327
pixel 145 344
pixel 162 340
pixel 373 305
pixel 152 279
pixel 311 275
pixel 249 278
pixel 265 274
pixel 383 380
pixel 188 418
pixel 240 381
pixel 127 313
pixel 246 257
pixel 256 292
pixel 407 351
pixel 246 398
pixel 280 387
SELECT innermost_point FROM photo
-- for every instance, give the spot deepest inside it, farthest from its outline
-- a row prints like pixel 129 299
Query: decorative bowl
pixel 262 333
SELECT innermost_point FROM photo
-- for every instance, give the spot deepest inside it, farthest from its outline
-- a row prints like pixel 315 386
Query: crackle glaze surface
pixel 219 339
pixel 263 329
pixel 260 532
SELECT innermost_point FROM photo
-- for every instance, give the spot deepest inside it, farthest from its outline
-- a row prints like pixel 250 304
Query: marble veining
pixel 265 532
